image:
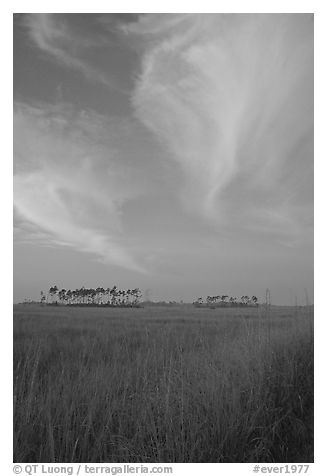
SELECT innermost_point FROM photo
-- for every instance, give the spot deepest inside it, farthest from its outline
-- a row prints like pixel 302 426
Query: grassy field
pixel 163 385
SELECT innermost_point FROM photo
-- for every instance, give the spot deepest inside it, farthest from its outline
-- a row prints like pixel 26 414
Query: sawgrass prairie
pixel 163 384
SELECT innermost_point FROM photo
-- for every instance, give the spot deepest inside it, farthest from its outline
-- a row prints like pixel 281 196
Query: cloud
pixel 231 99
pixel 69 188
pixel 52 35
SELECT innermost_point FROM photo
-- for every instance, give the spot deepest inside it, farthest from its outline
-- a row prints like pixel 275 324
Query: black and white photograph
pixel 163 250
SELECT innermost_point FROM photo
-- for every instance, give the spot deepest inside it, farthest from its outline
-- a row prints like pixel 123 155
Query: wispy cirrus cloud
pixel 231 98
pixel 57 39
pixel 68 185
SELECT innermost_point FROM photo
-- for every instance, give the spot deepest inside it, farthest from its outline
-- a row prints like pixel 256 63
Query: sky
pixel 169 152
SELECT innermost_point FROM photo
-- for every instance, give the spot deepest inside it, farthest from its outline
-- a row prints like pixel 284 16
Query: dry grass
pixel 162 385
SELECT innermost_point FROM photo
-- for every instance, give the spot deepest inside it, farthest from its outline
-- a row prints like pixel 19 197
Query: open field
pixel 163 385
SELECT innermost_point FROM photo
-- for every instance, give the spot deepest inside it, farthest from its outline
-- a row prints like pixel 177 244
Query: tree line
pixel 225 300
pixel 92 297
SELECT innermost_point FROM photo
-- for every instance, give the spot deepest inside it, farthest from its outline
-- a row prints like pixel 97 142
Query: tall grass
pixel 162 385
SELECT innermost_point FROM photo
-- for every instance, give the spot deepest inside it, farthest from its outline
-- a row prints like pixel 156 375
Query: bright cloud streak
pixel 230 96
pixel 68 186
